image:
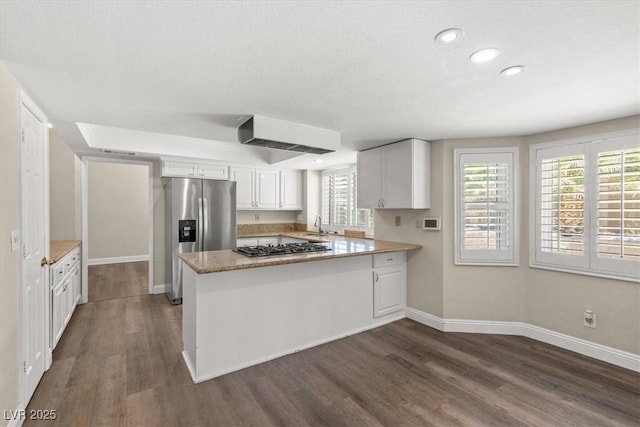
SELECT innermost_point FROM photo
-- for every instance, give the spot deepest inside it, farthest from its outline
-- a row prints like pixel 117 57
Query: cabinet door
pixel 57 313
pixel 68 299
pixel 388 290
pixel 213 171
pixel 397 188
pixel 369 178
pixel 75 285
pixel 244 178
pixel 291 190
pixel 186 169
pixel 267 186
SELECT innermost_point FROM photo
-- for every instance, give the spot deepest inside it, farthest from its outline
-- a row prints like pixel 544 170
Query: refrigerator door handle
pixel 206 227
pixel 200 224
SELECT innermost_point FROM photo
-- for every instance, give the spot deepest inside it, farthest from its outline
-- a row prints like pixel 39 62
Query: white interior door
pixel 34 248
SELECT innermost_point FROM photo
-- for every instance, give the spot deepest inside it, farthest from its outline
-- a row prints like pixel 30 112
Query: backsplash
pixel 254 229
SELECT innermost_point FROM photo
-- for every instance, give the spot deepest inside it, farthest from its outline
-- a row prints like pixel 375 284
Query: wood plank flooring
pixel 110 281
pixel 119 364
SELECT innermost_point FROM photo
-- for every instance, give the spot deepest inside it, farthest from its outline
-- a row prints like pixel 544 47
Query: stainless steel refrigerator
pixel 200 215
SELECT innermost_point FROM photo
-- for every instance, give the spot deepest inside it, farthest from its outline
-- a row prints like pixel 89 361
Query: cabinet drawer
pixel 74 256
pixel 389 258
pixel 58 271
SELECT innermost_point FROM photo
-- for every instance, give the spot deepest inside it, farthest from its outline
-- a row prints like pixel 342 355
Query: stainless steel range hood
pixel 261 131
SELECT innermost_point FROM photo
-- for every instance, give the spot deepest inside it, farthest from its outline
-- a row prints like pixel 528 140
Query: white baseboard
pixel 587 348
pixel 117 259
pixel 597 351
pixel 427 319
pixel 17 417
pixel 160 289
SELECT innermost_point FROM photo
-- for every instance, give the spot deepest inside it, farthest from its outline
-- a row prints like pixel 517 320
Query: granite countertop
pixel 227 260
pixel 59 248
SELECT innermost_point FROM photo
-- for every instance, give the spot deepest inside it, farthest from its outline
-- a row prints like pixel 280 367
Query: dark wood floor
pixel 119 364
pixel 111 281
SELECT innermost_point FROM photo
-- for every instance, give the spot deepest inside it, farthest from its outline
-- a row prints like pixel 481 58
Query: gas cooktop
pixel 289 248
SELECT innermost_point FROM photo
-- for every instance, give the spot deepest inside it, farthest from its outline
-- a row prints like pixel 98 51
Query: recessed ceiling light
pixel 449 35
pixel 317 161
pixel 512 71
pixel 484 55
pixel 50 125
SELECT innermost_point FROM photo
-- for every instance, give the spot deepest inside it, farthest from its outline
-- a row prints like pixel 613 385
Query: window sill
pixel 582 272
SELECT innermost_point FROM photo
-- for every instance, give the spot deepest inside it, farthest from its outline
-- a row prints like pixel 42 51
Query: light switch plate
pixel 15 240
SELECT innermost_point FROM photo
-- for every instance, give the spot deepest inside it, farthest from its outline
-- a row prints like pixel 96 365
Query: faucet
pixel 318 224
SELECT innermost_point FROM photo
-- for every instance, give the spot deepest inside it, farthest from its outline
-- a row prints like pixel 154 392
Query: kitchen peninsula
pixel 240 311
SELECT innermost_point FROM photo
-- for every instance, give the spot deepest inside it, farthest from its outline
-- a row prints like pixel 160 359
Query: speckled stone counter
pixel 341 247
pixel 59 248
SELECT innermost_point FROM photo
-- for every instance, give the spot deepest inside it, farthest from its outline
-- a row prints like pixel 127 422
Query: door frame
pixel 85 218
pixel 25 100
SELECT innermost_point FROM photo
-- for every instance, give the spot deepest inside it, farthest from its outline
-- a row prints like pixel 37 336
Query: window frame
pixel 511 257
pixel 588 263
pixel 352 196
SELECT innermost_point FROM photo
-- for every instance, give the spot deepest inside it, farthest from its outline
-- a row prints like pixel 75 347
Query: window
pixel 339 196
pixel 486 206
pixel 586 205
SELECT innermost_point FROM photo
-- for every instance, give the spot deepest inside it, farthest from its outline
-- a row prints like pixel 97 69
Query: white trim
pixel 85 221
pixel 490 257
pixel 117 259
pixel 387 319
pixel 160 288
pixel 495 327
pixel 588 264
pixel 577 345
pixel 18 417
pixel 427 319
pixel 25 100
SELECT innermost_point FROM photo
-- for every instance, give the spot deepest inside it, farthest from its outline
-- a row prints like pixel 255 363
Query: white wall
pixel 552 300
pixel 65 175
pixel 118 210
pixel 10 265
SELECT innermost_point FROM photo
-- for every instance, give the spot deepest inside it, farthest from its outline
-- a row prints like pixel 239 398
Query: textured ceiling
pixel 367 69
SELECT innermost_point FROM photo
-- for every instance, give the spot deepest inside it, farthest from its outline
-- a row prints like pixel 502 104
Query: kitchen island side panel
pixel 250 316
pixel 189 314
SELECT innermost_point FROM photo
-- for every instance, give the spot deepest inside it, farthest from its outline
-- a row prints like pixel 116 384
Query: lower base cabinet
pixel 389 283
pixel 66 289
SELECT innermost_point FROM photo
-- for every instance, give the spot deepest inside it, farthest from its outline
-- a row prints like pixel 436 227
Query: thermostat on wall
pixel 431 224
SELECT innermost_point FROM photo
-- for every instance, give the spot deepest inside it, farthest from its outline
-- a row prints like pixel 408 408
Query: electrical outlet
pixel 589 319
pixel 257 217
pixel 398 220
pixel 15 240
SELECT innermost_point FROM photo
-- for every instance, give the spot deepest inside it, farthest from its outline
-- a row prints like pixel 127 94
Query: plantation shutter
pixel 340 203
pixel 339 198
pixel 327 198
pixel 562 205
pixel 616 233
pixel 485 207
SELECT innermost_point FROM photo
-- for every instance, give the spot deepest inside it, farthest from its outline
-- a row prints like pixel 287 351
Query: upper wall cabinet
pixel 291 190
pixel 268 189
pixel 395 176
pixel 194 170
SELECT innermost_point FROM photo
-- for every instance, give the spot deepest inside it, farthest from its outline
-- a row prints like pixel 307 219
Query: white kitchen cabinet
pixel 291 190
pixel 57 312
pixel 389 283
pixel 171 168
pixel 66 288
pixel 395 176
pixel 256 188
pixel 267 188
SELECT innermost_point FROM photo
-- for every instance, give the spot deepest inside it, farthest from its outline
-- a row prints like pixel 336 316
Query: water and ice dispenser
pixel 187 230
